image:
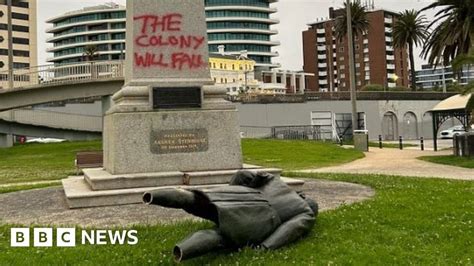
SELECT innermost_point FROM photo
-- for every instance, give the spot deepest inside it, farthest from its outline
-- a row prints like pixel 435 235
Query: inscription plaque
pixel 171 98
pixel 179 141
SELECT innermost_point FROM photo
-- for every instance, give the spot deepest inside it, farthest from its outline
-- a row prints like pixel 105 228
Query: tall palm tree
pixel 90 52
pixel 410 29
pixel 360 21
pixel 454 35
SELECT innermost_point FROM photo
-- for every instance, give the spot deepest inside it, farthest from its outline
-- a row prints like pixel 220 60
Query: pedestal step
pixel 80 195
pixel 99 179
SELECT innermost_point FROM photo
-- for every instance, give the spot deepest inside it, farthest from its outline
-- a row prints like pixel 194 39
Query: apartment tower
pixel 377 60
pixel 18 29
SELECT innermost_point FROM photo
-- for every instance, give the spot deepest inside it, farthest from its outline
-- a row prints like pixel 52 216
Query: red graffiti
pixel 168 22
pixel 160 44
pixel 177 61
pixel 181 41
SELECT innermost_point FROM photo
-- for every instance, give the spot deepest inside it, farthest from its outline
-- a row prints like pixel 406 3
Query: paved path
pixel 399 162
pixel 48 207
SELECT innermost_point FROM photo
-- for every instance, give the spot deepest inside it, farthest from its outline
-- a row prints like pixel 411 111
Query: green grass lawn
pixel 292 155
pixel 37 162
pixel 409 221
pixel 450 160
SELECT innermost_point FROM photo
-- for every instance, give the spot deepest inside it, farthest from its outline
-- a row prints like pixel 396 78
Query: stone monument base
pixel 99 188
pixel 181 140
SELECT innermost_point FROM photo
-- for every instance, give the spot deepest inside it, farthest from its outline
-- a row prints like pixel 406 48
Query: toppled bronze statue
pixel 255 209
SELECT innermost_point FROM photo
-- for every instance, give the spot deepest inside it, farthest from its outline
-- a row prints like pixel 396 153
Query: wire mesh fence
pixel 286 132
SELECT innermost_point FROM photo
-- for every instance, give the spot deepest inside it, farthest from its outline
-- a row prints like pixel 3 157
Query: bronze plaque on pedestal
pixel 179 141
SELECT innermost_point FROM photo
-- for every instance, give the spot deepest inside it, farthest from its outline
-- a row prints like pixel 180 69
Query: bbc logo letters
pixel 66 237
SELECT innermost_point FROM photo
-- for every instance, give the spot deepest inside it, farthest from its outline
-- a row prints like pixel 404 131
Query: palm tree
pixel 454 35
pixel 360 21
pixel 410 29
pixel 90 52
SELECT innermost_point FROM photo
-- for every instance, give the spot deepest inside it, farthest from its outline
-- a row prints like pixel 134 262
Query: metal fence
pixel 64 73
pixel 285 132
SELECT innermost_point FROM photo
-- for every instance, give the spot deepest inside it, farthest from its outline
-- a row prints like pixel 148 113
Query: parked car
pixel 451 132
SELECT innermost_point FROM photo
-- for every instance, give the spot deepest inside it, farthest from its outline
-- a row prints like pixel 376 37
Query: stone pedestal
pixel 146 142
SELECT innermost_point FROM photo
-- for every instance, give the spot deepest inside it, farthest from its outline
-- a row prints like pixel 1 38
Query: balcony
pixel 388 39
pixel 390 57
pixel 367 68
pixel 389 48
pixel 320 31
pixel 323 82
pixel 388 30
pixel 390 66
pixel 392 85
pixel 321 48
pixel 322 65
pixel 388 20
pixel 366 50
pixel 322 56
pixel 366 41
pixel 366 59
pixel 322 73
pixel 321 40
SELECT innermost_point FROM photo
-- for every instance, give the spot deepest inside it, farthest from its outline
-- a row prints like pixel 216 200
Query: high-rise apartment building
pixel 243 25
pixel 102 26
pixel 377 61
pixel 18 29
pixel 237 24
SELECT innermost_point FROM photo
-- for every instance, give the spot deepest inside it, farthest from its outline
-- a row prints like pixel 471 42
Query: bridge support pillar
pixel 6 140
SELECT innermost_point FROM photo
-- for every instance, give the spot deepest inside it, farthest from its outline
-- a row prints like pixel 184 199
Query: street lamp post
pixel 355 124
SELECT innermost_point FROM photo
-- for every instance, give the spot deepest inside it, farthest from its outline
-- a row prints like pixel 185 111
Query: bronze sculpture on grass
pixel 256 209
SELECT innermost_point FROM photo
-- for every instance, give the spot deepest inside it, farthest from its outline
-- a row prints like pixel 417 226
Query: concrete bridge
pixel 44 84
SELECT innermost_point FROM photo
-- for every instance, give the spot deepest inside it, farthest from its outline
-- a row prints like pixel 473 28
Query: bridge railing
pixel 64 73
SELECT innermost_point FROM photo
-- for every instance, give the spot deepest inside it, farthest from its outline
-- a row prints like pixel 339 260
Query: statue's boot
pixel 198 244
pixel 170 198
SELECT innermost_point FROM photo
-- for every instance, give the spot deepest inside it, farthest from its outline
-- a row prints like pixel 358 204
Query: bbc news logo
pixel 66 237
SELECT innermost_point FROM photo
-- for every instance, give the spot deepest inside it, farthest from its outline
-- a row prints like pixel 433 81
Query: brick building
pixel 377 60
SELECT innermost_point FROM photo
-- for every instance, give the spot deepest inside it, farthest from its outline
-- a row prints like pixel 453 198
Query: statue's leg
pixel 170 198
pixel 194 203
pixel 198 244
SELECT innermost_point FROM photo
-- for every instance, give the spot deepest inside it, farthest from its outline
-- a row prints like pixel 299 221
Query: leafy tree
pixel 410 29
pixel 373 87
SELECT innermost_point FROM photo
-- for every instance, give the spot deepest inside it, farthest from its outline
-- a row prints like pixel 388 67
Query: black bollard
pixel 422 143
pixel 380 142
pixel 400 140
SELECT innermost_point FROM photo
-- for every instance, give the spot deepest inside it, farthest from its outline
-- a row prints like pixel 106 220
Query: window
pixel 341 49
pixel 20 16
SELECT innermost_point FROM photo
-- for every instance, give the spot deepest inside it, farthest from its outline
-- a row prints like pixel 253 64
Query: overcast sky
pixel 293 15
